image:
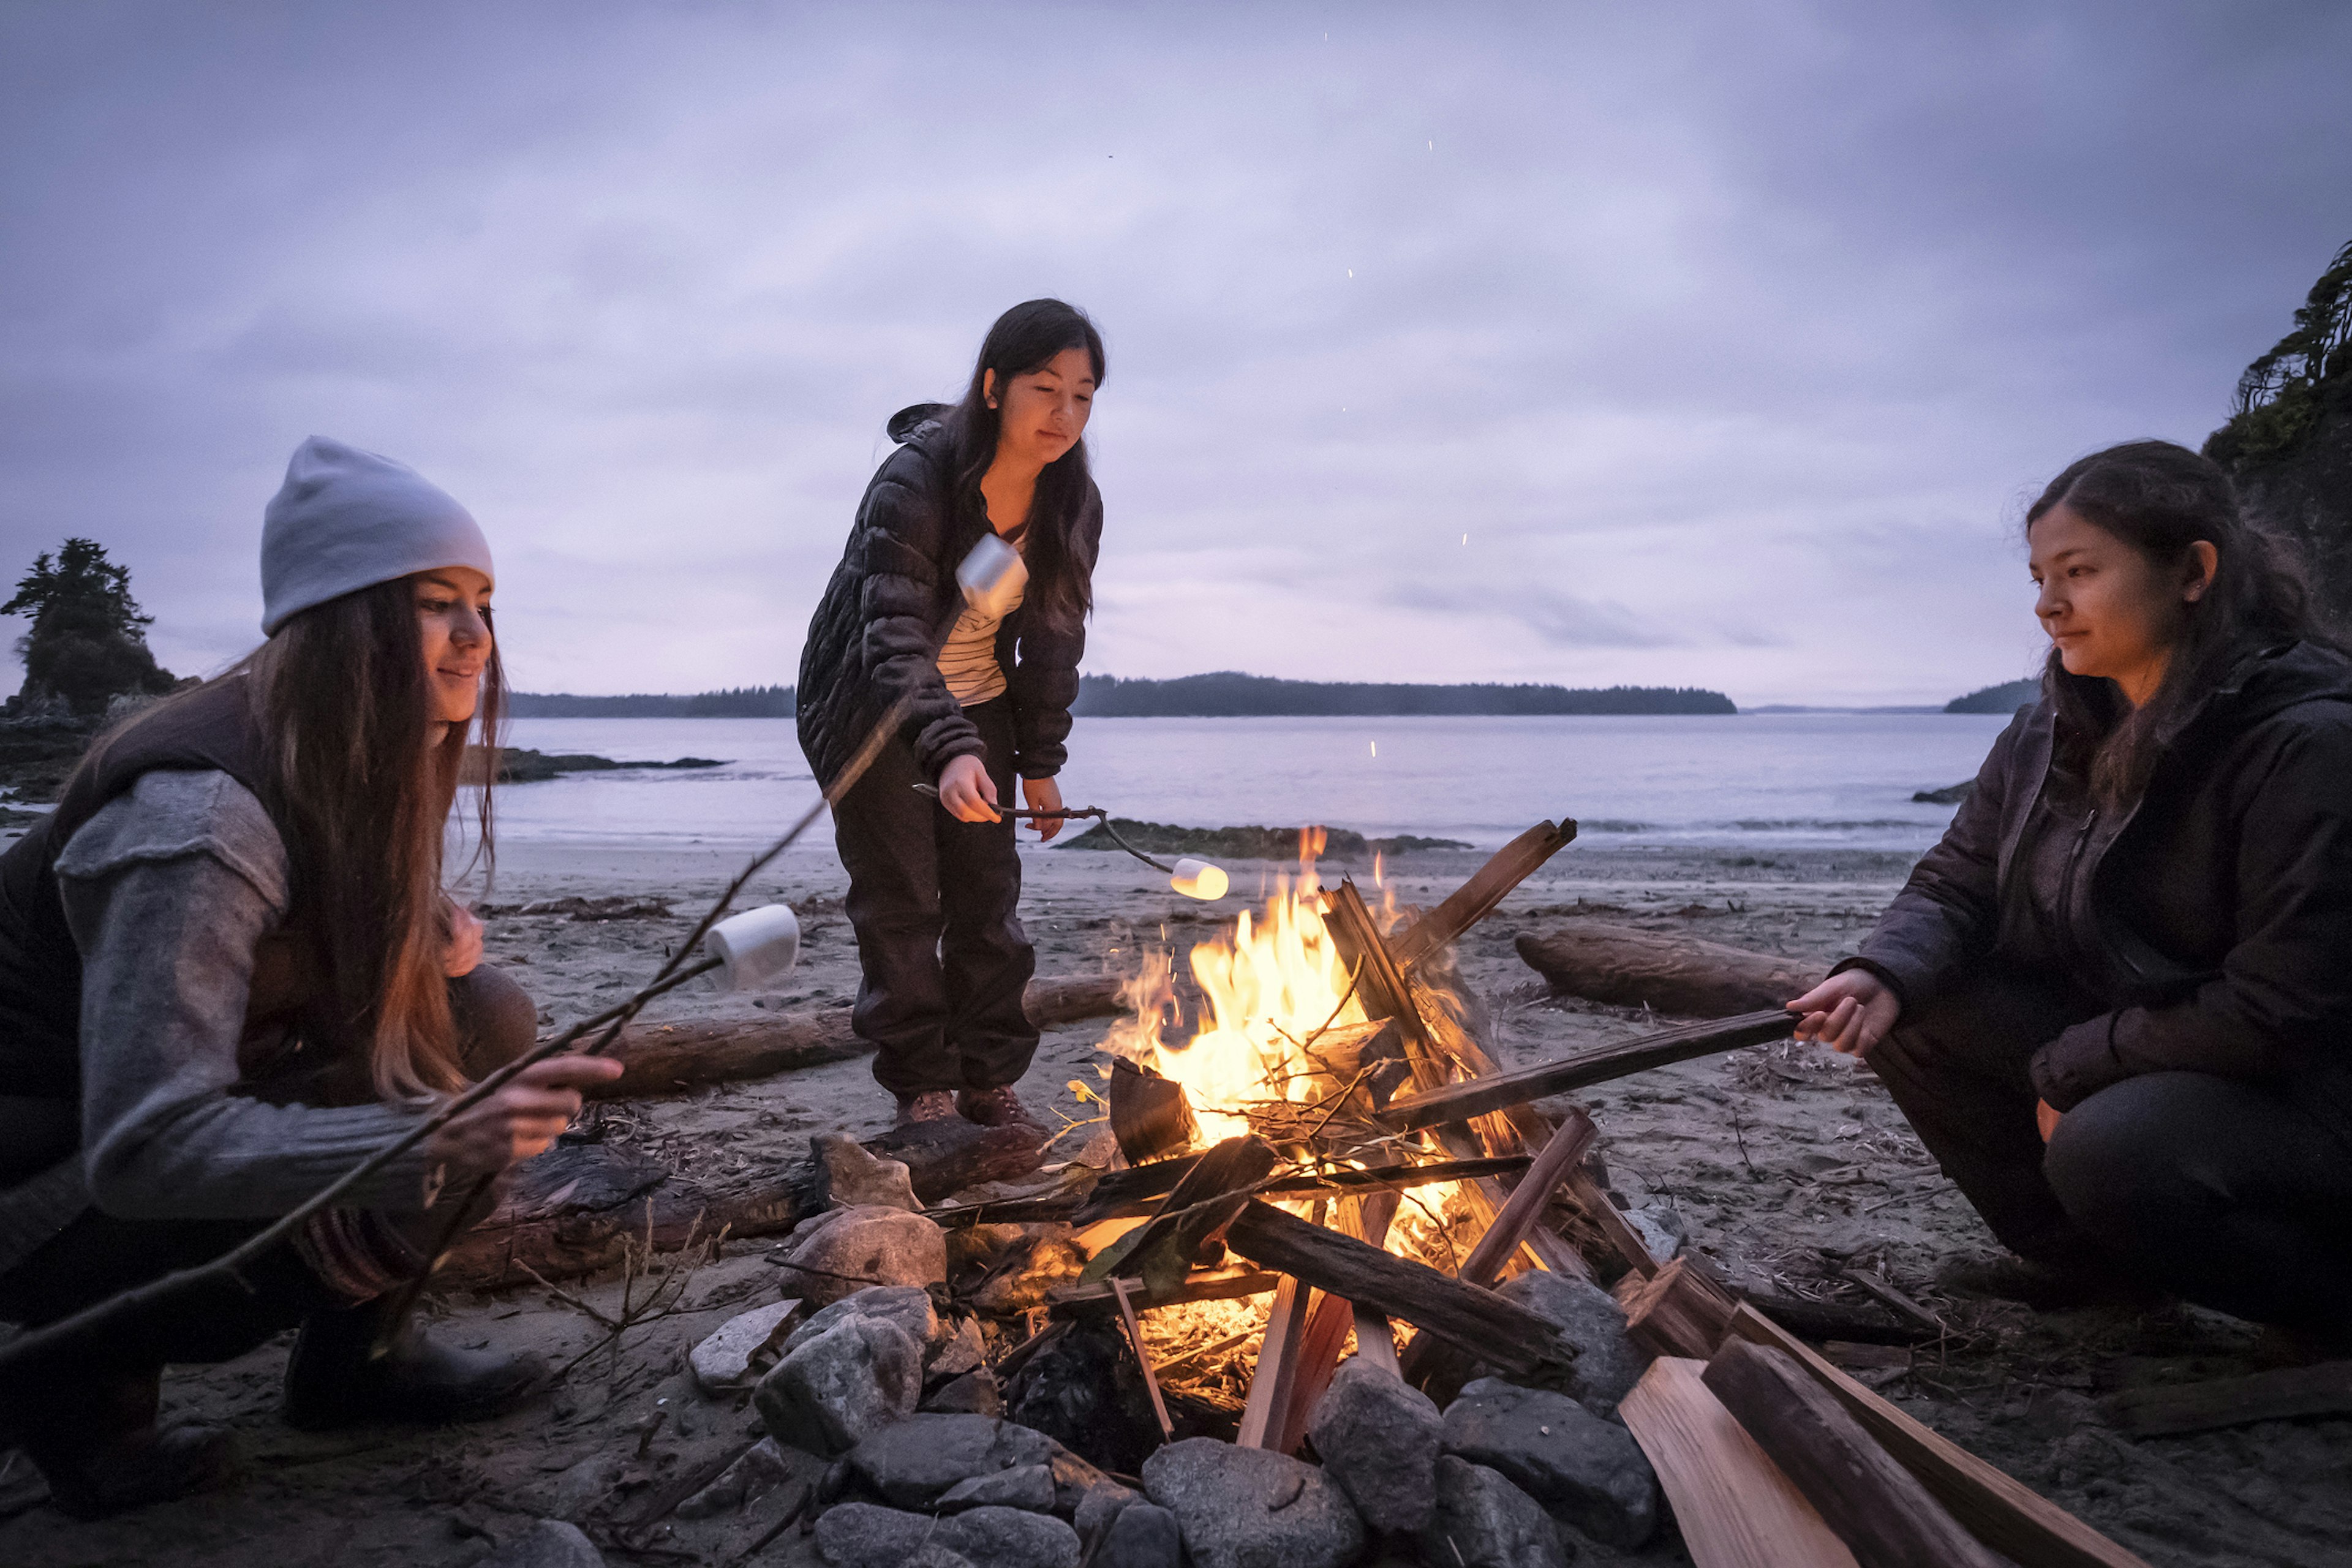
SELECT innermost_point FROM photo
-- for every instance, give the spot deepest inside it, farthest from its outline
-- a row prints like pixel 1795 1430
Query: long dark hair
pixel 2160 498
pixel 339 701
pixel 1024 340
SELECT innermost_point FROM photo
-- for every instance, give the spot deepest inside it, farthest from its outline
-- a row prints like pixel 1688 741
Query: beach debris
pixel 617 907
pixel 733 1357
pixel 2283 1394
pixel 1581 1468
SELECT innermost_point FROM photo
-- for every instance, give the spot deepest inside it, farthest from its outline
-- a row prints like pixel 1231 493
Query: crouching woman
pixel 2115 1001
pixel 228 973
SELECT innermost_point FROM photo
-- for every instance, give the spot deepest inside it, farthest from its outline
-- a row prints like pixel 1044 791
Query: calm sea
pixel 1763 780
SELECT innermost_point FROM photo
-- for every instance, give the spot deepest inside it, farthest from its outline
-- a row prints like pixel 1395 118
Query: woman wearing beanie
pixel 935 885
pixel 228 973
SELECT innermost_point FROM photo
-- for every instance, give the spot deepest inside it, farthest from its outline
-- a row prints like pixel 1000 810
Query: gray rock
pixel 1583 1469
pixel 975 1393
pixel 1010 1538
pixel 861 1535
pixel 915 1462
pixel 853 1248
pixel 549 1544
pixel 849 1177
pixel 1482 1520
pixel 761 1469
pixel 1099 1508
pixel 579 1489
pixel 1143 1536
pixel 1607 1363
pixel 1251 1508
pixel 1378 1440
pixel 1661 1230
pixel 1027 1486
pixel 1075 1480
pixel 733 1358
pixel 961 1349
pixel 908 1306
pixel 843 1386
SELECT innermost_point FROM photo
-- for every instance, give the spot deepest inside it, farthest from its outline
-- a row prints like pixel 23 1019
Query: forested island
pixel 2007 698
pixel 734 702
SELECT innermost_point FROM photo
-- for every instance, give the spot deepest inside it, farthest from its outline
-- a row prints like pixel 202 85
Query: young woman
pixel 2134 945
pixel 228 973
pixel 935 885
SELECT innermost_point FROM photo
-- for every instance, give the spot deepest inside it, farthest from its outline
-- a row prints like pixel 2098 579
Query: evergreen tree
pixel 89 641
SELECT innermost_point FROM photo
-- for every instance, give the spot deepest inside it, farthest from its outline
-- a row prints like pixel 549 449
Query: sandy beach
pixel 1785 1166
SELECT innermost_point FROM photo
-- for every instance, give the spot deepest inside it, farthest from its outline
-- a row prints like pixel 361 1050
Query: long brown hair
pixel 2160 498
pixel 1024 339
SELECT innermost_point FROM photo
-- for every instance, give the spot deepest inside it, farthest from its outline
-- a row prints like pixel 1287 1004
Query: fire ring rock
pixel 907 1306
pixel 1378 1440
pixel 865 1535
pixel 1251 1508
pixel 916 1462
pixel 842 1386
pixel 1482 1520
pixel 1607 1362
pixel 1581 1468
pixel 1142 1536
pixel 849 1250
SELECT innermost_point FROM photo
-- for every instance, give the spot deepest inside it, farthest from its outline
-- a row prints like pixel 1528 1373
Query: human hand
pixel 1849 1012
pixel 462 952
pixel 1043 795
pixel 967 791
pixel 2046 1119
pixel 522 1118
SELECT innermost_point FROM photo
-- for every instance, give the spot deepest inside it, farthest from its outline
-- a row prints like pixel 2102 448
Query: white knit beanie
pixel 347 519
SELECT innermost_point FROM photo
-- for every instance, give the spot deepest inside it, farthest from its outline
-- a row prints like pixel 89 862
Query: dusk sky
pixel 1732 336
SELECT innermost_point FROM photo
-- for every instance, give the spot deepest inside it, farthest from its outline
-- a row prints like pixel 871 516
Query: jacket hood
pixel 2265 683
pixel 909 421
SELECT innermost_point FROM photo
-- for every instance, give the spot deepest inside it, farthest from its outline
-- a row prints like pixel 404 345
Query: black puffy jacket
pixel 874 636
pixel 2212 917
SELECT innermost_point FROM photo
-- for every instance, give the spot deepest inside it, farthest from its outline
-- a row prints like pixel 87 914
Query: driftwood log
pixel 2005 1514
pixel 1489 1326
pixel 1734 1507
pixel 950 1155
pixel 666 1059
pixel 578 1207
pixel 1886 1518
pixel 1665 971
pixel 2324 1389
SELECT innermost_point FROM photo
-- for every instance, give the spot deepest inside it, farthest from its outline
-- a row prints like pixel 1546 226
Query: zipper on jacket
pixel 2066 886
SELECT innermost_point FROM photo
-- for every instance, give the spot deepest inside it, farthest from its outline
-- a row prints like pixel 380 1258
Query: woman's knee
pixel 497 1020
pixel 2130 1149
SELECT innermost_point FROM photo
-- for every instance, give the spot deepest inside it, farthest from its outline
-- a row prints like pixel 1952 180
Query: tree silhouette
pixel 89 641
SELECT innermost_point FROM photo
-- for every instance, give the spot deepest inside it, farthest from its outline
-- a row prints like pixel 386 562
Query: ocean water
pixel 1785 780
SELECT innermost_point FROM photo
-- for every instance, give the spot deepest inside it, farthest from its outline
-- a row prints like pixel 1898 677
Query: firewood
pixel 1202 1285
pixel 665 1059
pixel 1198 1209
pixel 2006 1515
pixel 1480 1096
pixel 950 1155
pixel 1734 1507
pixel 1328 1326
pixel 1475 899
pixel 1623 1238
pixel 1118 1291
pixel 1879 1510
pixel 1336 1182
pixel 1665 971
pixel 1277 1365
pixel 1834 1320
pixel 1496 1330
pixel 2324 1388
pixel 1675 1311
pixel 1149 1114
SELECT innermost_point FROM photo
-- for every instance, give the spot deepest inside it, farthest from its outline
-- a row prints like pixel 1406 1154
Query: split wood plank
pixel 1475 900
pixel 668 1058
pixel 2005 1514
pixel 1882 1513
pixel 2285 1394
pixel 1675 1311
pixel 1734 1507
pixel 1494 1329
pixel 1328 1326
pixel 1481 1096
pixel 1669 972
pixel 1278 1361
pixel 1119 1290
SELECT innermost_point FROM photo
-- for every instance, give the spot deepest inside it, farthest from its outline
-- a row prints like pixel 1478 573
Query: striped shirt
pixel 967 659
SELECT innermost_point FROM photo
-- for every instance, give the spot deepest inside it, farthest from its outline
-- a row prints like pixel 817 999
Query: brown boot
pixel 99 1449
pixel 931 1105
pixel 997 1107
pixel 355 1365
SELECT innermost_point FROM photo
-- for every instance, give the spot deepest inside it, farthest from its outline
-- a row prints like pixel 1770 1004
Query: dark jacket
pixel 2212 918
pixel 875 635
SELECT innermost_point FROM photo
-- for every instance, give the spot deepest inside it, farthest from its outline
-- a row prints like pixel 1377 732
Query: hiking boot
pixel 336 1376
pixel 931 1105
pixel 95 1441
pixel 2045 1288
pixel 998 1107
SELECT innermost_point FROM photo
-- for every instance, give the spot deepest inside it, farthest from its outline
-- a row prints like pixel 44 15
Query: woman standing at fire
pixel 2116 1002
pixel 228 973
pixel 935 885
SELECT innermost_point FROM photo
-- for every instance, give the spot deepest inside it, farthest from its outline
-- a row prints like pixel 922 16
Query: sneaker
pixel 2043 1286
pixel 931 1105
pixel 997 1107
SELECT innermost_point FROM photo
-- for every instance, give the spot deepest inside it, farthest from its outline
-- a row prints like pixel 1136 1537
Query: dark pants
pixel 935 903
pixel 99 1256
pixel 2232 1194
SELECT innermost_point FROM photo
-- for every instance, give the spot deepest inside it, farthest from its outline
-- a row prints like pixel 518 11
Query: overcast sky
pixel 1730 334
